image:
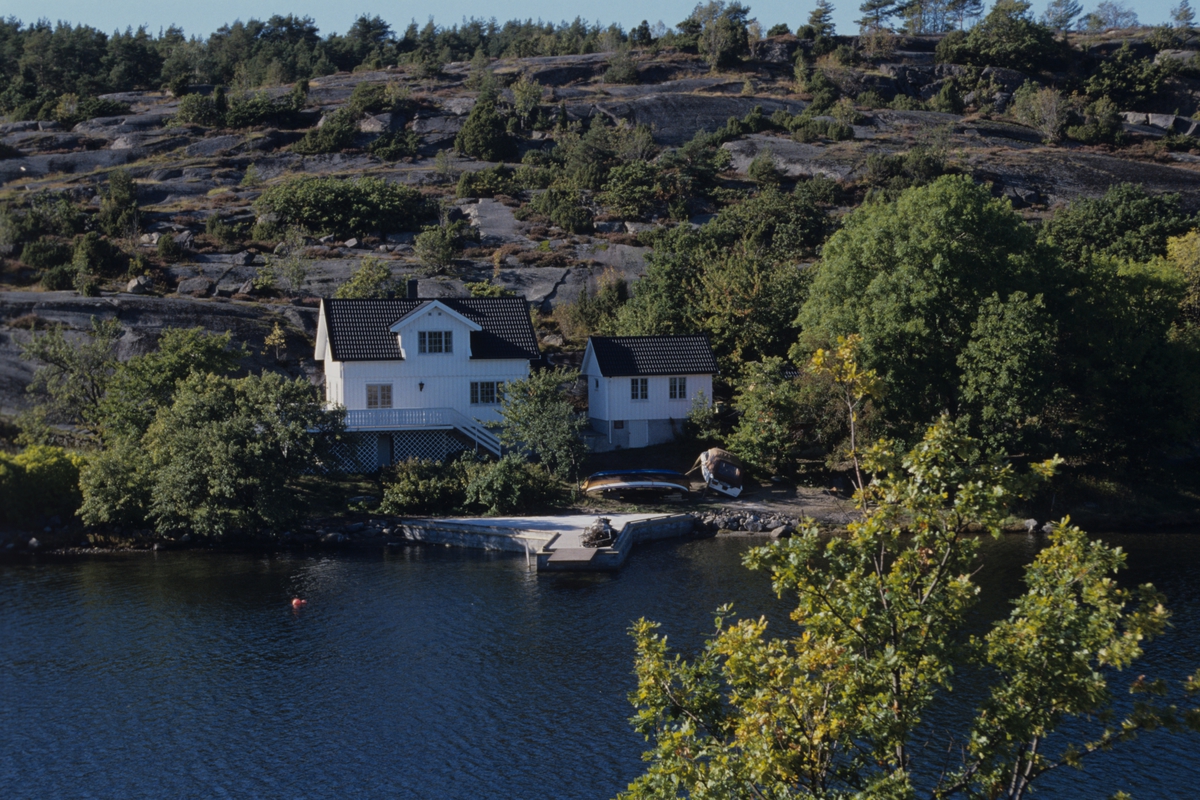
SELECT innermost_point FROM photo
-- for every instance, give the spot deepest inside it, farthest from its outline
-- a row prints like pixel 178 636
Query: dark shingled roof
pixel 358 329
pixel 654 355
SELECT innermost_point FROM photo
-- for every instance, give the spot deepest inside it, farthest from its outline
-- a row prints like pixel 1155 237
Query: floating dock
pixel 556 542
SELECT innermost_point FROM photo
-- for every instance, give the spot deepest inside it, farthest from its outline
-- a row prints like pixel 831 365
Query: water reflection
pixel 416 672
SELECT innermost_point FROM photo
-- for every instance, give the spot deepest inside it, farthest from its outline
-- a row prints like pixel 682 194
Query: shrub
pixel 564 208
pixel 45 253
pixel 1041 108
pixel 337 132
pixel 812 129
pixel 1101 124
pixel 437 245
pixel 483 135
pixel 97 255
pixel 257 109
pixel 395 146
pixel 420 486
pixel 762 169
pixel 335 205
pixel 169 250
pixel 58 279
pixel 631 189
pixel 621 69
pixel 1129 81
pixel 220 230
pixel 510 486
pixel 197 109
pixel 118 205
pixel 42 481
pixel 487 182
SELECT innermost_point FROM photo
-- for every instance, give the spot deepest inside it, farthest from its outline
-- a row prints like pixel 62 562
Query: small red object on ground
pixel 297 602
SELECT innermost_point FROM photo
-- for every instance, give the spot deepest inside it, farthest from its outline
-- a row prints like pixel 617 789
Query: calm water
pixel 424 672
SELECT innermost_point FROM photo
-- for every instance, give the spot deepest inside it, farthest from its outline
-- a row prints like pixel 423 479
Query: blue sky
pixel 204 17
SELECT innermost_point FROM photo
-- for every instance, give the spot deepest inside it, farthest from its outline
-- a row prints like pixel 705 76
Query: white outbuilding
pixel 640 388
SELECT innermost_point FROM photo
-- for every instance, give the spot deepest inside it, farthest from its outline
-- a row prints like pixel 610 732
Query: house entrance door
pixel 639 432
pixel 384 450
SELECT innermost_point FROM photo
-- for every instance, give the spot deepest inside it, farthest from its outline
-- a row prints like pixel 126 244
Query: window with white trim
pixel 485 393
pixel 677 388
pixel 379 395
pixel 639 388
pixel 435 341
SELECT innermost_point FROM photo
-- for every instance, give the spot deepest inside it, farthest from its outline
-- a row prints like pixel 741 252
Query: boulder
pixel 381 123
pixel 185 239
pixel 352 243
pixel 1164 121
pixel 139 285
pixel 196 287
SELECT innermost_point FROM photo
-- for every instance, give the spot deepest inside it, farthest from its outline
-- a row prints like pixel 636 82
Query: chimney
pixel 413 293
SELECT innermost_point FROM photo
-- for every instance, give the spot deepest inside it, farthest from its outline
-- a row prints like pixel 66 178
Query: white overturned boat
pixel 722 471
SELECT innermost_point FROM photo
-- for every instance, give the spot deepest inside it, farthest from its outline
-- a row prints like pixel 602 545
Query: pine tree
pixel 821 18
pixel 876 14
pixel 1182 15
pixel 1060 14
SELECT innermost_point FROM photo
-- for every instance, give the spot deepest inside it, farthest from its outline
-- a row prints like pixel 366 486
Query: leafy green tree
pixel 1007 367
pixel 40 481
pixel 834 708
pixel 748 305
pixel 226 454
pixel 527 96
pixel 74 375
pixel 910 278
pixel 538 418
pixel 1042 108
pixel 437 245
pixel 1127 222
pixel 770 431
pixel 372 280
pixel 144 384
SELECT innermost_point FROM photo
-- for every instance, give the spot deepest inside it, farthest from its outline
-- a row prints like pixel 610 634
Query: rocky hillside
pixel 193 181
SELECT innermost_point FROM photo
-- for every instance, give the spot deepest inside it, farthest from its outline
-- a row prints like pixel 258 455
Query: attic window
pixel 435 341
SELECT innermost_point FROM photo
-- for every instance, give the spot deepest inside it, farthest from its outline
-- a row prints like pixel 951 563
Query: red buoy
pixel 297 602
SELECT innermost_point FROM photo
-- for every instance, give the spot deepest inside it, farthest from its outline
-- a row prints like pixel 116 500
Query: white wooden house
pixel 640 388
pixel 420 377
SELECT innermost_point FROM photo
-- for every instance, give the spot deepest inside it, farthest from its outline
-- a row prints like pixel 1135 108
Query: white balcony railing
pixel 411 419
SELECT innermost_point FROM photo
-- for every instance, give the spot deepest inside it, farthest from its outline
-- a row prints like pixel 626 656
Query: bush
pixel 395 146
pixel 42 481
pixel 564 208
pixel 335 205
pixel 1101 124
pixel 486 182
pixel 97 255
pixel 197 109
pixel 59 279
pixel 437 245
pixel 631 190
pixel 118 205
pixel 337 132
pixel 169 250
pixel 45 253
pixel 420 486
pixel 510 486
pixel 812 129
pixel 483 135
pixel 621 69
pixel 223 232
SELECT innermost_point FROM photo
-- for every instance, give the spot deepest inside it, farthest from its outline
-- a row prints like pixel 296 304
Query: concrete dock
pixel 556 542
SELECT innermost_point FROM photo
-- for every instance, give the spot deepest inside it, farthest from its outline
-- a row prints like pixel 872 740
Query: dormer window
pixel 435 341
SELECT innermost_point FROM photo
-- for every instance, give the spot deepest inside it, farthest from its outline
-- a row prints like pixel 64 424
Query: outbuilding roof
pixel 358 330
pixel 653 355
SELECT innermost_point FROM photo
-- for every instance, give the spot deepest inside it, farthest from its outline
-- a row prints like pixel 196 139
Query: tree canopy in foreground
pixel 833 710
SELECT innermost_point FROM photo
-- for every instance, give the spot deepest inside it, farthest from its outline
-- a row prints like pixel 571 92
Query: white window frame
pixel 435 342
pixel 382 395
pixel 639 389
pixel 677 386
pixel 478 393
